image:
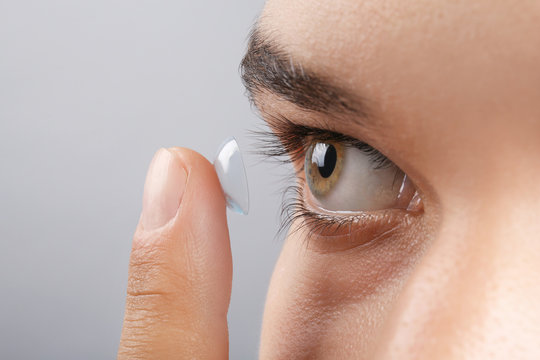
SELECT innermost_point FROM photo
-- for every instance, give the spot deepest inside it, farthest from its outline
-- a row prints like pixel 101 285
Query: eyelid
pixel 341 231
pixel 288 142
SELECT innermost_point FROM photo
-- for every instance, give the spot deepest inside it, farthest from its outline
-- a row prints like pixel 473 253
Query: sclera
pixel 231 173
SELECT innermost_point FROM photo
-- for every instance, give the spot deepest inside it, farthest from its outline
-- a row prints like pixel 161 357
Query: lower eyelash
pixel 309 222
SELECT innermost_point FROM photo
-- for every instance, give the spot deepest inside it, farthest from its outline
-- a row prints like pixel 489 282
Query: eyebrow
pixel 266 67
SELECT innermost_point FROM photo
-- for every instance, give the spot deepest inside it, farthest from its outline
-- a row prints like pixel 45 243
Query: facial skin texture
pixel 453 93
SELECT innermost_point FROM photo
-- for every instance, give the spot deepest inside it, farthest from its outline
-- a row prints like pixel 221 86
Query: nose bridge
pixel 473 295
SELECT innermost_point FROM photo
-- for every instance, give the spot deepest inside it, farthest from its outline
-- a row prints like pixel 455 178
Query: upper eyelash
pixel 314 223
pixel 288 142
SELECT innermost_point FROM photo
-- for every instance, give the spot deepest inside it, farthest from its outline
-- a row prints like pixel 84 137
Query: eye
pixel 343 177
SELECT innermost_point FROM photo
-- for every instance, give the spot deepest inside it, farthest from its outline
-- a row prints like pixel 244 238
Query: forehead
pixel 391 46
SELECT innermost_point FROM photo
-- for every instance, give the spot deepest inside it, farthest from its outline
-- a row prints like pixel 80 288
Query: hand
pixel 180 269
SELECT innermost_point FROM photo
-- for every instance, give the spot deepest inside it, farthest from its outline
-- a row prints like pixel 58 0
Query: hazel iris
pixel 323 164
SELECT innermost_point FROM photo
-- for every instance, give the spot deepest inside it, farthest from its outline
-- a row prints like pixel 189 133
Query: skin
pixel 453 94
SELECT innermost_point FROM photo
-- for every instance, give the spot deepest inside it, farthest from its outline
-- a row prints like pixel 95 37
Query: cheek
pixel 332 304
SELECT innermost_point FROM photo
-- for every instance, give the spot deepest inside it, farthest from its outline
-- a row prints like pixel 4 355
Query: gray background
pixel 89 90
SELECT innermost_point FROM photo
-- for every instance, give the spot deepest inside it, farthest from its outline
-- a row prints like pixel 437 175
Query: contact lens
pixel 232 176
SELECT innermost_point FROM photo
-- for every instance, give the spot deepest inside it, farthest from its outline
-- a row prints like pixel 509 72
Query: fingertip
pixel 203 187
pixel 163 189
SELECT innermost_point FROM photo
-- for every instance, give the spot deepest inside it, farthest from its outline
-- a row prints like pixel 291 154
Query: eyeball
pixel 231 173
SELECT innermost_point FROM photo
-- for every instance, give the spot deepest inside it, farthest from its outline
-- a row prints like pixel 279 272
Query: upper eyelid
pixel 377 158
pixel 288 143
pixel 381 160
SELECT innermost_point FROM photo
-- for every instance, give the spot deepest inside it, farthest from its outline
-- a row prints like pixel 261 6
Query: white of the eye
pixel 361 187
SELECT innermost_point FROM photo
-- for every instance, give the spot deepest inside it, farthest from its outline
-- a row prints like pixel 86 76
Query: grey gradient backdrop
pixel 89 90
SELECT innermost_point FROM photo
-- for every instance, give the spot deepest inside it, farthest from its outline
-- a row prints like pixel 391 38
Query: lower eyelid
pixel 358 235
pixel 331 231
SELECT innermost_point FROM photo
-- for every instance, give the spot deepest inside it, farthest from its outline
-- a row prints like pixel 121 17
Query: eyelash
pixel 288 142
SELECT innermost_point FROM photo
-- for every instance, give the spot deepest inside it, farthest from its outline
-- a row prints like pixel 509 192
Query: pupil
pixel 328 154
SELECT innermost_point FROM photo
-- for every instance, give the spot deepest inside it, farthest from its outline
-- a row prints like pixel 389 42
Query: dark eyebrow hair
pixel 267 67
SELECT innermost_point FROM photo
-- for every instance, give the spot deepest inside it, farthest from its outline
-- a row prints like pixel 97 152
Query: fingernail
pixel 163 190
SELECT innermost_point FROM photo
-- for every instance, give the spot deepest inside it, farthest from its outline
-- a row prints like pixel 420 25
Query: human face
pixel 448 91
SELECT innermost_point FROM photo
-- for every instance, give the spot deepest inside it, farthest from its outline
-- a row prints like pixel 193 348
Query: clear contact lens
pixel 232 176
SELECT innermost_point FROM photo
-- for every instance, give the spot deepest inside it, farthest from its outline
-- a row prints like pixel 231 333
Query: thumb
pixel 180 266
